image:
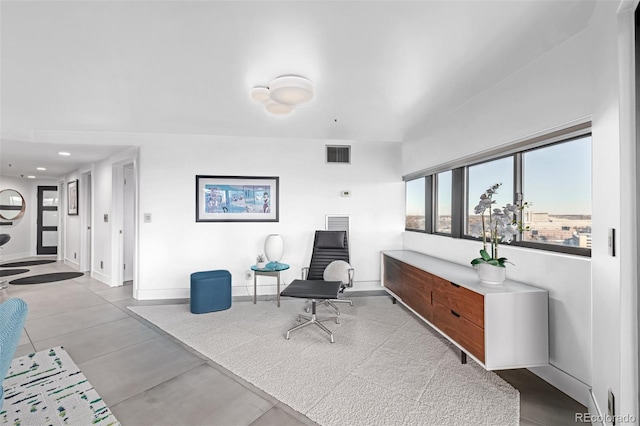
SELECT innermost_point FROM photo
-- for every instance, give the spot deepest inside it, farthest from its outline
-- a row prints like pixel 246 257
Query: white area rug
pixel 48 388
pixel 385 367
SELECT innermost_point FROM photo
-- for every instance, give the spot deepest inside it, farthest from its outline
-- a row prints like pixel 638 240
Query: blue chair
pixel 13 313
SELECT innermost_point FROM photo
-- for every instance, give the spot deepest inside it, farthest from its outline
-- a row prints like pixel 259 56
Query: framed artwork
pixel 72 198
pixel 237 199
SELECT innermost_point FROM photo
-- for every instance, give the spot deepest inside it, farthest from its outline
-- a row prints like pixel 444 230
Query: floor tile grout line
pixel 112 406
pixel 74 331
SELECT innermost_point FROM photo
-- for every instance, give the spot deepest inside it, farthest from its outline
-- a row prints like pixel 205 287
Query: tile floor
pixel 149 378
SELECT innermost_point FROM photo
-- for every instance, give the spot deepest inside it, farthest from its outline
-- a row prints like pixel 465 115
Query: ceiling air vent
pixel 339 154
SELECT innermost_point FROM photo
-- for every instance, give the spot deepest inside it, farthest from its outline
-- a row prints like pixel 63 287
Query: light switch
pixel 106 218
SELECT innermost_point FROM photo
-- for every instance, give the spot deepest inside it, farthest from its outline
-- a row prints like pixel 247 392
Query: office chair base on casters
pixel 313 320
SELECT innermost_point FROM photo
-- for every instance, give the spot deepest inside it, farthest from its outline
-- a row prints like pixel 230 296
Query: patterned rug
pixel 48 388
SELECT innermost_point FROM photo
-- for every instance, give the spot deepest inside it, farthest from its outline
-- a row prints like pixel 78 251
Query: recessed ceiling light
pixel 41 168
pixel 63 153
pixel 31 177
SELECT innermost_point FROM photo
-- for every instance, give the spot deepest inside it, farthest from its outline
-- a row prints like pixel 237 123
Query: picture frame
pixel 72 198
pixel 237 198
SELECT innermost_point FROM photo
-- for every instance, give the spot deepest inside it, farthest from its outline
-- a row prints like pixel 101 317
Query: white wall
pixel 21 244
pixel 72 228
pixel 552 91
pixel 23 231
pixel 173 245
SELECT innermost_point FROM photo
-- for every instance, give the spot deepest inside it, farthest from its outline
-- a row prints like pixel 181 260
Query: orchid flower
pixel 501 226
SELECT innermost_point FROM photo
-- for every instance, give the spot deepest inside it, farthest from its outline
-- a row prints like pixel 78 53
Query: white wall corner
pixel 573 387
pixel 72 264
pixel 103 278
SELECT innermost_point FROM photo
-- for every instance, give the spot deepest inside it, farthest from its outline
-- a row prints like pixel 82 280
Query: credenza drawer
pixel 458 328
pixel 411 285
pixel 467 303
pixel 416 291
pixel 393 275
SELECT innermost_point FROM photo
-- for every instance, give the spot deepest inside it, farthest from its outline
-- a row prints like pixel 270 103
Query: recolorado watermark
pixel 593 418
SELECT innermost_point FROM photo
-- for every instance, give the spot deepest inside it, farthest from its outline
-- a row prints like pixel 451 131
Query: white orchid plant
pixel 502 226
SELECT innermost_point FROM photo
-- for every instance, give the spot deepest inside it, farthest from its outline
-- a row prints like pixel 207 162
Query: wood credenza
pixel 501 327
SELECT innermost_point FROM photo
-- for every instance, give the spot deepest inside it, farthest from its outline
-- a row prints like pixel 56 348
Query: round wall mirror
pixel 12 204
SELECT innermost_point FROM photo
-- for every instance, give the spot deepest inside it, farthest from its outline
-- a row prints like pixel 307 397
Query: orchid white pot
pixel 490 274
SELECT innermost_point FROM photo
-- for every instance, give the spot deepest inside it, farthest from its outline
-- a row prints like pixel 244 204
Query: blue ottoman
pixel 210 291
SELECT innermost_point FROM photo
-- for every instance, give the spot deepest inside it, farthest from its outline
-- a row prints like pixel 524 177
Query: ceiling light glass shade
pixel 291 90
pixel 278 108
pixel 274 247
pixel 260 94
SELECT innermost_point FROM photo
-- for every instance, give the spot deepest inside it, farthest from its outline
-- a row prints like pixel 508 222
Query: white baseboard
pixel 72 264
pixel 597 417
pixel 162 293
pixel 364 286
pixel 101 277
pixel 573 387
pixel 14 256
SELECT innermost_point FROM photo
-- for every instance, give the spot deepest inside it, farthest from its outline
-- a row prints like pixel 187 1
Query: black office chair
pixel 315 285
pixel 328 247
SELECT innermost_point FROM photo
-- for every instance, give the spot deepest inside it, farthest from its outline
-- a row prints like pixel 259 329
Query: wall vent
pixel 336 222
pixel 339 222
pixel 339 154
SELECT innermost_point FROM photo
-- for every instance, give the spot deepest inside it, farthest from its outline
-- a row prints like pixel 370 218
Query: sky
pixel 556 180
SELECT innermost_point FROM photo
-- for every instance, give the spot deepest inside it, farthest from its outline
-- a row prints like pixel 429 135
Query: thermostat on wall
pixel 345 193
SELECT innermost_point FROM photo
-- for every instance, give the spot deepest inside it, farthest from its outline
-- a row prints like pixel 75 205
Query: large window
pixel 557 181
pixel 552 176
pixel 415 208
pixel 482 176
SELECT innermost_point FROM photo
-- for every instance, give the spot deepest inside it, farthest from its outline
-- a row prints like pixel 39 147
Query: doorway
pixel 128 223
pixel 125 228
pixel 47 221
pixel 86 223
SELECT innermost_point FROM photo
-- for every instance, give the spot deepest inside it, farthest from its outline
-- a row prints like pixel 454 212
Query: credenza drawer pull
pixel 455 285
pixel 455 313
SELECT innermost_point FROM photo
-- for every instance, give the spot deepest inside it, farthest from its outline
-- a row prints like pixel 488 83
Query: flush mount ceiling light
pixel 277 108
pixel 260 93
pixel 291 90
pixel 284 94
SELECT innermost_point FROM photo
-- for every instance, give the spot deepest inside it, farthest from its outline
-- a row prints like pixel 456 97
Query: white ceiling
pixel 381 68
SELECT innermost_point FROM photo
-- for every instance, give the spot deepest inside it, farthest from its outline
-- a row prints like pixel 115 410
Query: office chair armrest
pixel 305 272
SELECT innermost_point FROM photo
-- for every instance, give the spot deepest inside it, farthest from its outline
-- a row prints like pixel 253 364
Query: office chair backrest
pixel 327 247
pixel 13 313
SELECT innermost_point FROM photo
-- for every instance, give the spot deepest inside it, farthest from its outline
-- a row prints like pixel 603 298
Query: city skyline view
pixel 556 183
